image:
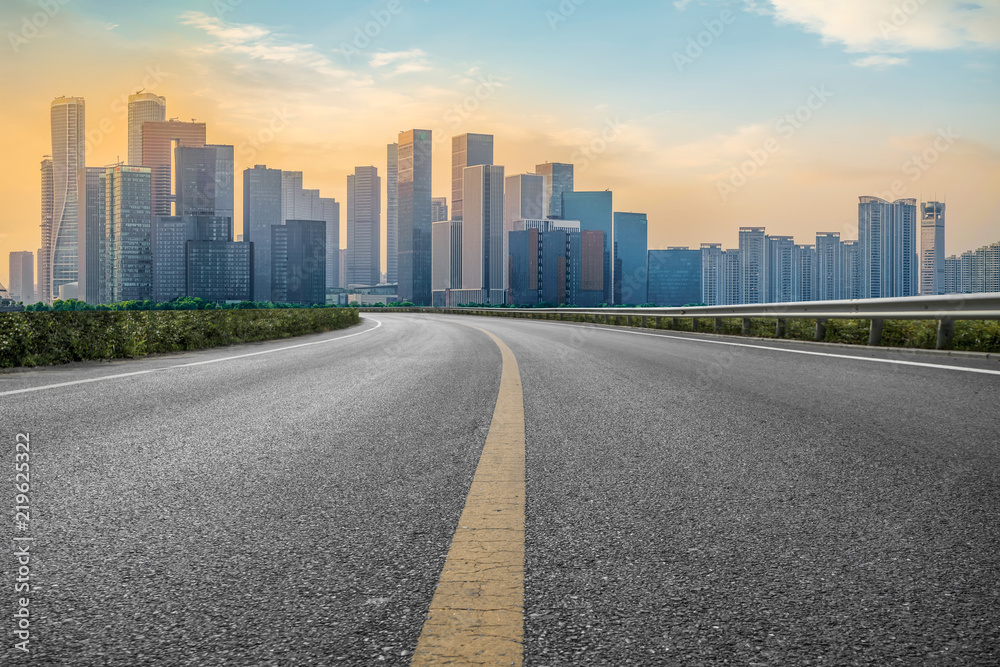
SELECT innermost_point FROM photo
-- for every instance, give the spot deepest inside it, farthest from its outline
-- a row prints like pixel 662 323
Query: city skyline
pixel 247 72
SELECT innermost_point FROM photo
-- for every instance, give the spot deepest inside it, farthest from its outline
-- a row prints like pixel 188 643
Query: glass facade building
pixel 142 107
pixel 557 178
pixel 675 277
pixel 157 140
pixel 298 262
pixel 219 270
pixel 467 150
pixel 483 247
pixel 205 182
pixel 595 212
pixel 67 115
pixel 391 214
pixel 932 248
pixel 91 235
pixel 128 216
pixel 414 187
pixel 631 245
pixel 261 211
pixel 364 224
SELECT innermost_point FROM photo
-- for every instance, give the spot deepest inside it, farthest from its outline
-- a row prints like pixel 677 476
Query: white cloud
pixel 879 61
pixel 414 60
pixel 893 26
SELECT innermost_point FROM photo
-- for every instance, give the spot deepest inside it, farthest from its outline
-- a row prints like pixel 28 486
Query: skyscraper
pixel 467 150
pixel 712 273
pixel 364 224
pixel 558 179
pixel 22 276
pixel 415 216
pixel 779 269
pixel 524 199
pixel 142 107
pixel 731 278
pixel 261 210
pixel 439 209
pixel 804 273
pixel 91 234
pixel 391 214
pixel 128 216
pixel 852 263
pixel 68 157
pixel 44 292
pixel 594 210
pixel 483 260
pixel 887 235
pixel 631 245
pixel 156 139
pixel 831 283
pixel 298 203
pixel 753 264
pixel 298 262
pixel 932 248
pixel 446 260
pixel 205 181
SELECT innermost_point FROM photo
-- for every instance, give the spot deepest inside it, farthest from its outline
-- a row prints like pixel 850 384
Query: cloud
pixel 681 5
pixel 259 44
pixel 892 26
pixel 880 61
pixel 414 60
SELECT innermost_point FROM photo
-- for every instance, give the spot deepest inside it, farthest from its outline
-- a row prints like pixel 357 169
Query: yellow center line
pixel 477 614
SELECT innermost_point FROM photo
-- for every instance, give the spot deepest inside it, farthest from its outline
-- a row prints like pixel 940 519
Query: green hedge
pixel 44 338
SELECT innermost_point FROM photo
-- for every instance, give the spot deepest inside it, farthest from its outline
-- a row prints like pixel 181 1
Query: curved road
pixel 686 501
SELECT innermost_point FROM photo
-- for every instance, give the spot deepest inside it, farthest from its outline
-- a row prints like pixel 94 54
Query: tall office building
pixel 594 210
pixel 887 234
pixel 156 141
pixel 44 291
pixel 364 224
pixel 142 107
pixel 753 263
pixel 204 181
pixel 22 276
pixel 415 216
pixel 439 209
pixel 342 267
pixel 557 179
pixel 261 210
pixel 483 261
pixel 91 234
pixel 712 273
pixel 193 257
pixel 675 277
pixel 932 248
pixel 467 150
pixel 778 263
pixel 831 281
pixel 524 199
pixel 391 214
pixel 68 157
pixel 446 260
pixel 631 258
pixel 298 203
pixel 329 212
pixel 298 262
pixel 128 216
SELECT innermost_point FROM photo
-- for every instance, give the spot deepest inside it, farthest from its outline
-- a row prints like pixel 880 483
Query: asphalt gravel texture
pixel 688 503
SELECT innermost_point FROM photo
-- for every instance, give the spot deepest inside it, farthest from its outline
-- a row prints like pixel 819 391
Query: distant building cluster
pixel 161 228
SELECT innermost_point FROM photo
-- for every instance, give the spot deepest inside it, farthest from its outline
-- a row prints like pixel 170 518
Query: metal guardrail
pixel 946 309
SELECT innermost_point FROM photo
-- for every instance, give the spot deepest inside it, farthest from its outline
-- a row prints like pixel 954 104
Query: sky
pixel 706 115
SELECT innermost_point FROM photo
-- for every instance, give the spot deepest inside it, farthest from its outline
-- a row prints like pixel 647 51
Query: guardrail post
pixel 694 324
pixel 746 326
pixel 642 322
pixel 945 332
pixel 717 325
pixel 820 330
pixel 875 333
pixel 674 324
pixel 779 328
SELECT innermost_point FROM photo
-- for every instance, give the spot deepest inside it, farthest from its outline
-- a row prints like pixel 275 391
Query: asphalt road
pixel 687 502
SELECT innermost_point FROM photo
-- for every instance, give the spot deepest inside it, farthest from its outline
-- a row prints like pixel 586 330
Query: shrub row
pixel 44 338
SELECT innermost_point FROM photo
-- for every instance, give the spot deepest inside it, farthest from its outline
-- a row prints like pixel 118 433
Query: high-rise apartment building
pixel 91 234
pixel 22 276
pixel 157 140
pixel 44 291
pixel 392 214
pixel 142 107
pixel 483 261
pixel 932 248
pixel 595 212
pixel 712 273
pixel 731 277
pixel 887 235
pixel 364 224
pixel 67 115
pixel 852 267
pixel 804 273
pixel 415 216
pixel 261 211
pixel 778 269
pixel 467 150
pixel 128 221
pixel 631 258
pixel 557 178
pixel 753 263
pixel 831 279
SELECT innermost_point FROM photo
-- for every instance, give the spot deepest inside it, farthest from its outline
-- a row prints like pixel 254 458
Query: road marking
pixel 477 614
pixel 194 363
pixel 784 349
